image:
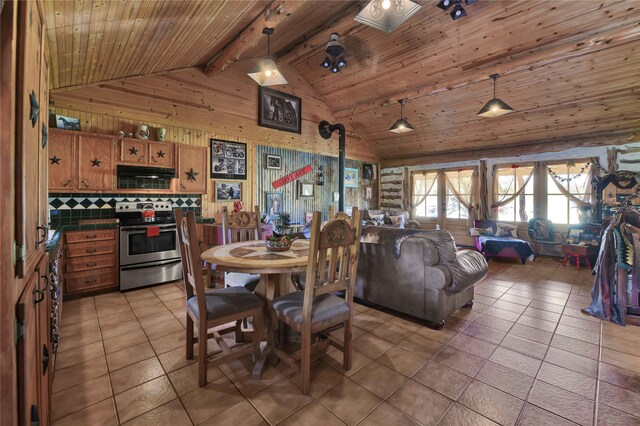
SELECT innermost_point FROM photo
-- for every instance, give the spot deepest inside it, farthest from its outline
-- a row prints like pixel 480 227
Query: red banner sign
pixel 291 177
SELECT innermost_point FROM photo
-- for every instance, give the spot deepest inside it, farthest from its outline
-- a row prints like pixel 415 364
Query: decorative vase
pixel 161 134
pixel 142 132
pixel 121 134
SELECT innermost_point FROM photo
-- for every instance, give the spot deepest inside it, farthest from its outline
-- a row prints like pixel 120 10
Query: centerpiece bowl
pixel 279 244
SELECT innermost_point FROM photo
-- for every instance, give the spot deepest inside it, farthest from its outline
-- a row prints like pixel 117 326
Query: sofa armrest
pixel 469 268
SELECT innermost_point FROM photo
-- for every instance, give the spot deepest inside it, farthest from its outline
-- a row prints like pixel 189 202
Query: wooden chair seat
pixel 327 310
pixel 225 302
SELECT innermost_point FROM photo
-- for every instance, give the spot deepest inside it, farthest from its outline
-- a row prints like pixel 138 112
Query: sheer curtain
pixel 466 194
pixel 507 187
pixel 422 186
pixel 577 186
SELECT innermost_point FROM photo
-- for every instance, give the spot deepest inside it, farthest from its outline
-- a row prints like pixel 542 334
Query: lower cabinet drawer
pixel 89 249
pixel 87 263
pixel 78 282
pixel 83 236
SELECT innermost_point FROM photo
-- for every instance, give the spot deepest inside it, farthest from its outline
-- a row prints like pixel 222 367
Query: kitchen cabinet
pixel 147 153
pixel 62 162
pixel 192 169
pixel 90 261
pixel 96 165
pixel 31 148
pixel 162 154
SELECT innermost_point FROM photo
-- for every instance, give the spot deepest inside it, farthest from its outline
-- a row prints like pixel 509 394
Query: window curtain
pixel 507 198
pixel 586 188
pixel 470 198
pixel 483 192
pixel 429 183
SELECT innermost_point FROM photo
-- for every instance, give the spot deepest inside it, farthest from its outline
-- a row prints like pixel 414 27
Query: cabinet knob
pixel 92 236
pixel 92 264
pixel 91 250
pixel 84 183
pixel 67 183
pixel 45 234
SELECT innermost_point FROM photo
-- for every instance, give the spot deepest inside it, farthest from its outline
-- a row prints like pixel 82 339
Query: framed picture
pixel 278 110
pixel 228 191
pixel 336 197
pixel 274 200
pixel 350 178
pixel 367 171
pixel 228 159
pixel 273 162
pixel 68 123
pixel 368 193
pixel 573 236
pixel 305 189
pixel 308 217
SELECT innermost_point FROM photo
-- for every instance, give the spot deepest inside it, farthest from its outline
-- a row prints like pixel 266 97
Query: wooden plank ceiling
pixel 570 69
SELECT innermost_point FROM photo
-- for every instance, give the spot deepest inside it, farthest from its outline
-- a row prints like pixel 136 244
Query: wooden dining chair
pixel 333 261
pixel 213 308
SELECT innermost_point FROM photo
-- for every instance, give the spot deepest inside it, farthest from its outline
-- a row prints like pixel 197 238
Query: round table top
pixel 253 257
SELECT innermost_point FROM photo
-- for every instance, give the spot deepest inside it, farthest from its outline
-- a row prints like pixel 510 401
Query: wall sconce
pixel 320 176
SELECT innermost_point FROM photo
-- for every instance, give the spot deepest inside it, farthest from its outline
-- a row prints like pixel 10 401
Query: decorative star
pixel 161 154
pixel 95 163
pixel 191 175
pixel 55 160
pixel 133 151
pixel 35 108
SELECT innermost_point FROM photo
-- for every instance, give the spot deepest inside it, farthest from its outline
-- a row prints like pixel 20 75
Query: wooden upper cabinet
pixel 96 165
pixel 192 169
pixel 162 154
pixel 63 164
pixel 134 152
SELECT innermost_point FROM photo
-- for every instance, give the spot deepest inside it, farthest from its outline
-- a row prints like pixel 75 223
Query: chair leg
pixel 202 355
pixel 305 364
pixel 257 334
pixel 239 334
pixel 346 355
pixel 189 342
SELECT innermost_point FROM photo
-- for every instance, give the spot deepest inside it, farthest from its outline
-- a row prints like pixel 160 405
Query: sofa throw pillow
pixel 474 232
pixel 488 232
pixel 378 219
pixel 396 220
pixel 506 230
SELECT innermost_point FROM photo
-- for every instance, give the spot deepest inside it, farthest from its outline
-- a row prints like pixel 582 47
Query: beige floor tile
pixel 84 327
pixel 175 304
pixel 578 333
pixel 144 302
pixel 146 310
pixel 239 371
pixel 516 361
pixel 462 362
pixel 505 379
pixel 442 336
pixel 323 377
pixel 335 358
pixel 367 321
pixel 77 315
pixel 491 320
pixel 524 346
pixel 571 361
pixel 80 396
pixel 561 402
pixel 628 345
pixel 169 342
pixel 185 380
pixel 387 415
pixel 472 345
pixel 112 309
pixel 534 416
pixel 122 358
pixel 243 413
pixel 531 333
pixel 135 295
pixel 619 398
pixel 78 355
pixel 79 373
pixel 207 401
pixel 349 401
pixel 621 359
pixel 484 333
pixel 568 380
pixel 125 327
pixel 492 403
pixel 177 358
pixel 546 306
pixel 117 319
pixel 173 295
pixel 542 314
pixel 279 400
pixel 419 402
pixel 135 374
pixel 456 324
pixel 124 341
pixel 441 379
pixel 171 413
pixel 102 413
pixel 584 324
pixel 408 323
pixel 608 416
pixel 401 360
pixel 379 379
pixel 509 306
pixel 461 415
pixel 621 377
pixel 144 398
pixel 577 347
pixel 370 345
pixel 162 329
pixel 313 414
pixel 421 346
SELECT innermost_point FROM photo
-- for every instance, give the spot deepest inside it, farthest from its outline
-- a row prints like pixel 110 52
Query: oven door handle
pixel 132 230
pixel 151 264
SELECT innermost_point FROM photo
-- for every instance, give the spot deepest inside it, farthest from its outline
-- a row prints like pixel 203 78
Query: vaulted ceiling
pixel 570 69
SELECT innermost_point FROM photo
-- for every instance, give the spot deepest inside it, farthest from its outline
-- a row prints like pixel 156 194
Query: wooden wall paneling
pixel 10 285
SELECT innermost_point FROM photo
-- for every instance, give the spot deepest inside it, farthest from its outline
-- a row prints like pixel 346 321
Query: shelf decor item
pixel 278 110
pixel 279 244
pixel 161 134
pixel 68 123
pixel 228 159
pixel 142 132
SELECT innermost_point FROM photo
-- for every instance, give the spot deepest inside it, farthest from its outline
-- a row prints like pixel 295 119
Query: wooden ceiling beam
pixel 249 38
pixel 533 147
pixel 475 73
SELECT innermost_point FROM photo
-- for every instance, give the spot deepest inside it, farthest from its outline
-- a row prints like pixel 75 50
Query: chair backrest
pixel 484 224
pixel 190 254
pixel 333 258
pixel 541 229
pixel 332 211
pixel 241 226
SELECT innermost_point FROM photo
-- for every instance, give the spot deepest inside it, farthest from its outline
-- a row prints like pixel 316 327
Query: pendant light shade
pixel 401 125
pixel 495 107
pixel 266 73
pixel 387 15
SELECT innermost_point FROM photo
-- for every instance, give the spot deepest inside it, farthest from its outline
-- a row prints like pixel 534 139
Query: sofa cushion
pixel 469 268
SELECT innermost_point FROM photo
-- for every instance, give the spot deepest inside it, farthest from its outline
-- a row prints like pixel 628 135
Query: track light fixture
pixel 266 73
pixel 458 11
pixel 495 107
pixel 335 49
pixel 401 125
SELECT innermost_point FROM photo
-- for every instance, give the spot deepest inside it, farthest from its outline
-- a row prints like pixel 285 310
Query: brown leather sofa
pixel 430 279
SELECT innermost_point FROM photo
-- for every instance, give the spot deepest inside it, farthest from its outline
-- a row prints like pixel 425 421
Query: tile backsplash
pixel 68 209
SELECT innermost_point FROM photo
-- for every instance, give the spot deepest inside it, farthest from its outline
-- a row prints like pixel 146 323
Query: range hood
pixel 146 172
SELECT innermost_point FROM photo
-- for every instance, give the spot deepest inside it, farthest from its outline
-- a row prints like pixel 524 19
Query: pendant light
pixel 266 72
pixel 401 125
pixel 495 107
pixel 387 15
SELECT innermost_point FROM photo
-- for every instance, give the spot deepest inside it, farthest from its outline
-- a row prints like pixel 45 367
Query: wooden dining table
pixel 275 269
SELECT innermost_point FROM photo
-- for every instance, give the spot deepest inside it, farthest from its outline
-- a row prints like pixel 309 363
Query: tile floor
pixel 524 354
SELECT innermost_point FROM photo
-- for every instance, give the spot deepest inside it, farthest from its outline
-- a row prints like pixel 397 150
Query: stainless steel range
pixel 149 250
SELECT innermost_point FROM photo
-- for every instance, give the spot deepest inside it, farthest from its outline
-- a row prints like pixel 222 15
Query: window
pixel 460 182
pixel 560 209
pixel 425 194
pixel 509 180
